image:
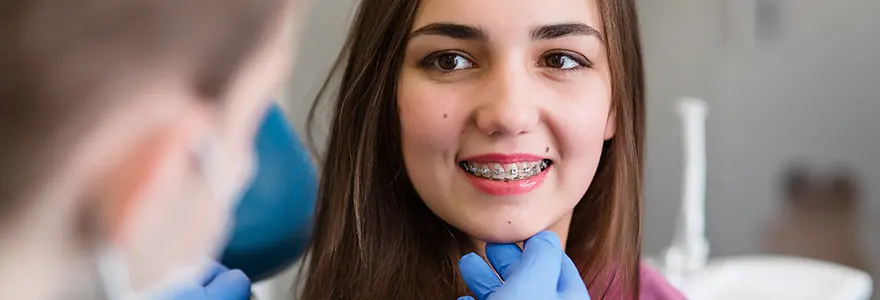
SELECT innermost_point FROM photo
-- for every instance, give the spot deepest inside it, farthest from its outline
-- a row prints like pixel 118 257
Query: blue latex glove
pixel 541 270
pixel 220 283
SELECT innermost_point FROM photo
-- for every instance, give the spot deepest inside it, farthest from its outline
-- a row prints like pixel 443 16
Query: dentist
pixel 127 131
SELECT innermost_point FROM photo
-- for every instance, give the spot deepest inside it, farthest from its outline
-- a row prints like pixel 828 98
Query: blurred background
pixel 792 88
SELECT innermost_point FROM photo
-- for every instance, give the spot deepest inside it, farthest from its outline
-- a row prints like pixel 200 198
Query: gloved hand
pixel 220 283
pixel 541 270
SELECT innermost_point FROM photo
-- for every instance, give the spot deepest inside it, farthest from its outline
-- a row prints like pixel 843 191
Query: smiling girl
pixel 464 122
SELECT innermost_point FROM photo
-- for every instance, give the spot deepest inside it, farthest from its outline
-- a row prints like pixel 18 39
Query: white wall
pixel 323 36
pixel 322 39
pixel 809 91
pixel 678 62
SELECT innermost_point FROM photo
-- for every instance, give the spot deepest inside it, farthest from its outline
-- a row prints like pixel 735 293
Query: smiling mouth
pixel 506 172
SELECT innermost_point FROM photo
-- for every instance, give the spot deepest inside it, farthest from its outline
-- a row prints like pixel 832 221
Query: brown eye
pixel 562 61
pixel 448 62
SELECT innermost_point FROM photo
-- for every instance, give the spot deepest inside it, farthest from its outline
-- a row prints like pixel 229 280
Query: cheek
pixel 584 125
pixel 431 126
pixel 580 129
pixel 430 123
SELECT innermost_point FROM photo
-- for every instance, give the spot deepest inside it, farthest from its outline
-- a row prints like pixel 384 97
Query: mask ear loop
pixel 217 169
pixel 112 270
pixel 213 162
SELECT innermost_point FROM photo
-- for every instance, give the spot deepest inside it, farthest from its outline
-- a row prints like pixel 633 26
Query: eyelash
pixel 581 61
pixel 432 61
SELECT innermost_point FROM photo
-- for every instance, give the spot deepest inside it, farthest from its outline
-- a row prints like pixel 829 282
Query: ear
pixel 611 125
pixel 155 165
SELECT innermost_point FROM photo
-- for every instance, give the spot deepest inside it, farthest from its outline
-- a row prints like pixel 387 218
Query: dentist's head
pixel 126 130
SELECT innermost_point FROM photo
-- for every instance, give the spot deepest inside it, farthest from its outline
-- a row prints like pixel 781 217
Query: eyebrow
pixel 553 31
pixel 545 32
pixel 456 31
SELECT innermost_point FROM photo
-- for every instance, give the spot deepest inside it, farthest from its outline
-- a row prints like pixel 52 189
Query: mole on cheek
pixel 547 150
pixel 445 115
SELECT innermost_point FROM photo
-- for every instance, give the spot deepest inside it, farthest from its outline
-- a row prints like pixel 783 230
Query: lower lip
pixel 507 188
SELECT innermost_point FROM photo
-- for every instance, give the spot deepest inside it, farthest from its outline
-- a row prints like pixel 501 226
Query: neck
pixel 560 228
pixel 39 258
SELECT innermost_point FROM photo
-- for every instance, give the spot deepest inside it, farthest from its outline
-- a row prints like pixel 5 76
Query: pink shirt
pixel 652 286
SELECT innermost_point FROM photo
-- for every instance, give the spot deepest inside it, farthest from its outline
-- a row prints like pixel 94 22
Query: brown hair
pixel 375 239
pixel 59 56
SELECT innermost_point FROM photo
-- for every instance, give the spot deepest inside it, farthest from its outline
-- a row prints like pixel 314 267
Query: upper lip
pixel 503 158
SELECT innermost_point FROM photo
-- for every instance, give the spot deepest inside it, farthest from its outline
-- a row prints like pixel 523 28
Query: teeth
pixel 506 172
pixel 497 172
pixel 485 172
pixel 512 172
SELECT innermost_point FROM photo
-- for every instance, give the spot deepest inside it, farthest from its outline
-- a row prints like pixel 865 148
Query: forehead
pixel 499 17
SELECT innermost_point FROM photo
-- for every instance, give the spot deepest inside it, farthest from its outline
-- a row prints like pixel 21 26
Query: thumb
pixel 231 285
pixel 214 269
pixel 478 276
pixel 570 282
pixel 541 259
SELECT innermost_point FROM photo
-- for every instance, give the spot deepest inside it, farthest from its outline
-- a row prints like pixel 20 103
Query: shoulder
pixel 653 286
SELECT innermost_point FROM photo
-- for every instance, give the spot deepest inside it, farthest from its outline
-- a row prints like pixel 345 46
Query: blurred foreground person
pixel 127 130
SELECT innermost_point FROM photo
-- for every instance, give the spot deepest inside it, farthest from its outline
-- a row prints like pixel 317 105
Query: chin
pixel 504 232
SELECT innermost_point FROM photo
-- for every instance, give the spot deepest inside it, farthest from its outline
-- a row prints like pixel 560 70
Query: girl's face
pixel 504 108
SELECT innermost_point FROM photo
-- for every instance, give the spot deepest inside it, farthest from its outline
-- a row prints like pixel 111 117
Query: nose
pixel 507 108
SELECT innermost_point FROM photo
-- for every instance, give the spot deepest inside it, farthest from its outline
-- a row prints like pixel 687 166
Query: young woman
pixel 127 129
pixel 464 122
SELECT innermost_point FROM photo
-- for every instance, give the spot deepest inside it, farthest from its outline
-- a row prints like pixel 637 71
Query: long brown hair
pixel 375 239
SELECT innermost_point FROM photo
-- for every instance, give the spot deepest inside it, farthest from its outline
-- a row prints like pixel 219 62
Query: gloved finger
pixel 465 298
pixel 189 292
pixel 503 257
pixel 540 260
pixel 478 276
pixel 213 269
pixel 230 285
pixel 571 284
